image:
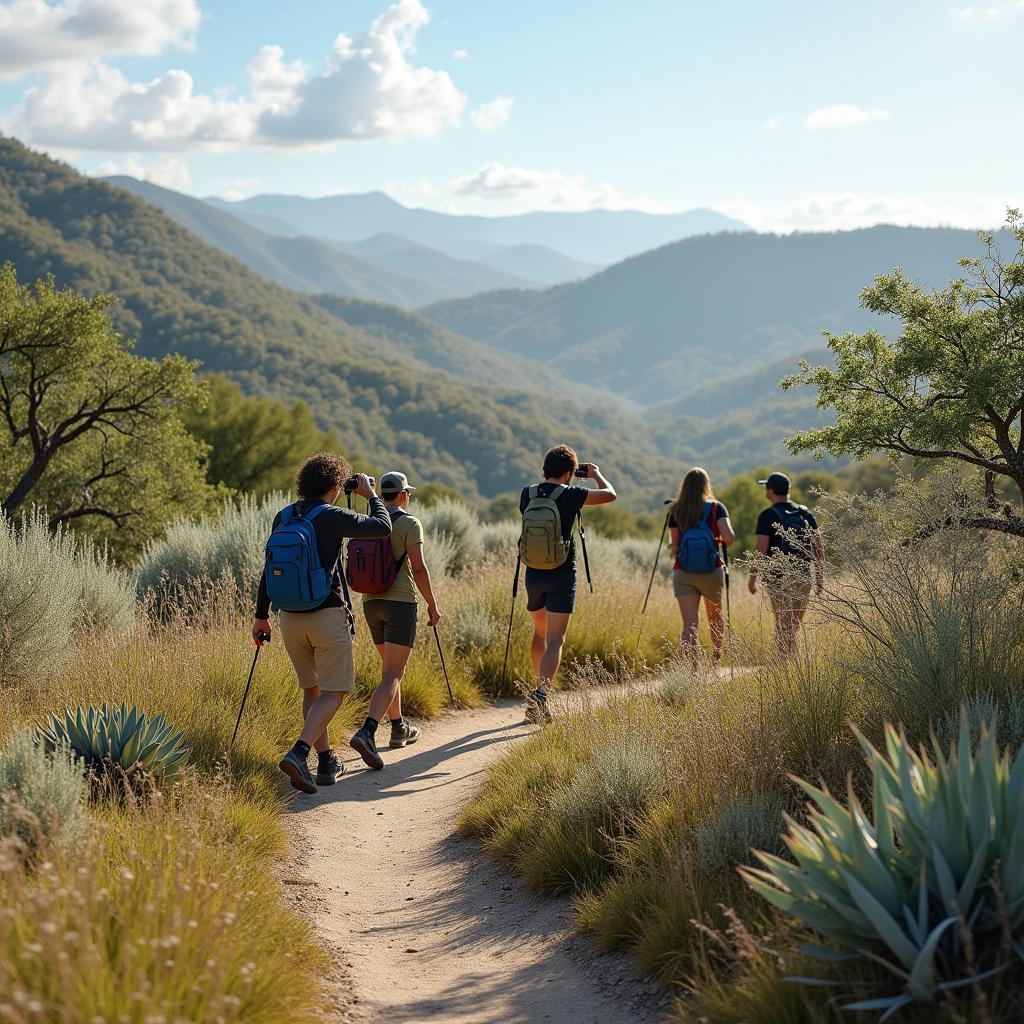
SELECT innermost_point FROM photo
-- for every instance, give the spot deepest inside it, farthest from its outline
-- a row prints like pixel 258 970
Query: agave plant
pixel 940 859
pixel 119 736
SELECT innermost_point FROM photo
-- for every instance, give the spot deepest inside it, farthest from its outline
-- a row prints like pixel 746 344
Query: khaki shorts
pixel 786 598
pixel 708 585
pixel 320 646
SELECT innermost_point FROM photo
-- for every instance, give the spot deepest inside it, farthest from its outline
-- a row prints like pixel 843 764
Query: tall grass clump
pixel 52 586
pixel 192 550
pixel 42 796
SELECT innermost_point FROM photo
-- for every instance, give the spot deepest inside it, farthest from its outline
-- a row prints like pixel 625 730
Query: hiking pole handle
pixel 261 639
pixel 444 668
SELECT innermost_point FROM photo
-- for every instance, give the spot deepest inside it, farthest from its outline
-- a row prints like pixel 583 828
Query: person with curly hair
pixel 319 640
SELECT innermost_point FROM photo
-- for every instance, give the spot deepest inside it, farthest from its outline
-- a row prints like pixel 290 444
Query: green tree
pixel 255 444
pixel 90 431
pixel 744 498
pixel 949 389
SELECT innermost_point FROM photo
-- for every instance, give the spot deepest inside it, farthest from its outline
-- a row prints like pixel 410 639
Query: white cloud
pixel 39 36
pixel 234 189
pixel 987 12
pixel 369 89
pixel 843 115
pixel 460 54
pixel 524 188
pixel 772 124
pixel 168 172
pixel 490 116
pixel 847 211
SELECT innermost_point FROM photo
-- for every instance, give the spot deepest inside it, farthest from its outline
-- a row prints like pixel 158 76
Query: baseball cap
pixel 394 483
pixel 777 482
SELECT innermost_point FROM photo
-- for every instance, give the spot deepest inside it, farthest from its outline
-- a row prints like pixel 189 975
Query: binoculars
pixel 352 483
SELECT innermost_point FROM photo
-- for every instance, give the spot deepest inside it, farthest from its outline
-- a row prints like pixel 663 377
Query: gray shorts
pixel 391 622
pixel 708 585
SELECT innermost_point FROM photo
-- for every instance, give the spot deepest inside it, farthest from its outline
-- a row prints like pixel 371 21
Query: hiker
pixel 550 510
pixel 318 639
pixel 792 556
pixel 390 611
pixel 699 529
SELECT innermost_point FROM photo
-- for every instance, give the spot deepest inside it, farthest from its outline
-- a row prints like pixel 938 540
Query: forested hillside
pixel 668 321
pixel 180 295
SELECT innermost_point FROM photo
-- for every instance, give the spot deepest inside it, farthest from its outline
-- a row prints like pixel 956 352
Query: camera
pixel 583 470
pixel 352 483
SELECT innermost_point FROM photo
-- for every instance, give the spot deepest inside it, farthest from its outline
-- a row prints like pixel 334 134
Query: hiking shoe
pixel 362 743
pixel 329 770
pixel 294 765
pixel 537 710
pixel 403 734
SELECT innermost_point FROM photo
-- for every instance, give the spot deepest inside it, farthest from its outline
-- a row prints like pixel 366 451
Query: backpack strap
pixel 558 491
pixel 532 492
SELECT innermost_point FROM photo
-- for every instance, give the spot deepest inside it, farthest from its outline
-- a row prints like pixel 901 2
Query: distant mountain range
pixel 699 313
pixel 590 237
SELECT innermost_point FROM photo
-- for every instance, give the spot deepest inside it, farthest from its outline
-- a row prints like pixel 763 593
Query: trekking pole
pixel 444 668
pixel 728 611
pixel 511 614
pixel 262 638
pixel 650 584
pixel 586 560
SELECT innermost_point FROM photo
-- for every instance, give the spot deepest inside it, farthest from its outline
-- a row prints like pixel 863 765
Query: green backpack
pixel 541 543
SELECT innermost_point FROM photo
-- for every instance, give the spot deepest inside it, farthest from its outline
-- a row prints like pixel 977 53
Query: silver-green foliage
pixel 940 861
pixel 121 736
pixel 42 795
pixel 205 549
pixel 472 629
pixel 461 526
pixel 725 838
pixel 51 586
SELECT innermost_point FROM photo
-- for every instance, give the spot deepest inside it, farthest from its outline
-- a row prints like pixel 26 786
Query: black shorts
pixel 391 622
pixel 552 589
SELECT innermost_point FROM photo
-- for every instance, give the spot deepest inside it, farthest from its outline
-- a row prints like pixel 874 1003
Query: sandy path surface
pixel 423 925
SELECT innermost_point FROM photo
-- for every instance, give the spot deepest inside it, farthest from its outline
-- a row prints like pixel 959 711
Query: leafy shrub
pixel 206 549
pixel 932 886
pixel 50 587
pixel 41 795
pixel 472 629
pixel 724 840
pixel 119 739
pixel 461 525
pixel 500 539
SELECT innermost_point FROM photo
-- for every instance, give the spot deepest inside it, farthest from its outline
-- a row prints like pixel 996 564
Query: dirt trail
pixel 423 925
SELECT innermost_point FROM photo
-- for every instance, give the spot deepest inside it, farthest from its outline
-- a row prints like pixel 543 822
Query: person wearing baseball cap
pixel 391 618
pixel 791 557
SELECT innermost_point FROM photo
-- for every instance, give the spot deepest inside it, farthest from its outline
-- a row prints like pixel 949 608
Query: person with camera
pixel 391 615
pixel 550 510
pixel 791 557
pixel 318 639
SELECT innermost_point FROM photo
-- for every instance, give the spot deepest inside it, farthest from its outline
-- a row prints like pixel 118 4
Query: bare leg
pixel 309 697
pixel 395 709
pixel 717 624
pixel 394 659
pixel 318 717
pixel 556 627
pixel 540 638
pixel 689 607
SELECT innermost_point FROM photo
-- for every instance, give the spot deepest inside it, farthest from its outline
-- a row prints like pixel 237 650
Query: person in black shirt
pixel 695 502
pixel 792 557
pixel 551 593
pixel 319 641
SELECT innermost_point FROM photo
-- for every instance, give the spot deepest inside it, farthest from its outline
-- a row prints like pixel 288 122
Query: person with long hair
pixel 699 528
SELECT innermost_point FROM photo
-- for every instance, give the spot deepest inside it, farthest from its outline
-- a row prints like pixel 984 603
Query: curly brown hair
pixel 560 460
pixel 321 473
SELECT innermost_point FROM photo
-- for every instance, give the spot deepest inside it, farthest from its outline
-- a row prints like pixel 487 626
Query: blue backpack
pixel 698 550
pixel 296 581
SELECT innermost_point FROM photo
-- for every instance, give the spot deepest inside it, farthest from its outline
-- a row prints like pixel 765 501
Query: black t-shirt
pixel 768 523
pixel 721 513
pixel 331 527
pixel 570 502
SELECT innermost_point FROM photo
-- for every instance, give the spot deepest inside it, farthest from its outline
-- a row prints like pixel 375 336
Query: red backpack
pixel 372 567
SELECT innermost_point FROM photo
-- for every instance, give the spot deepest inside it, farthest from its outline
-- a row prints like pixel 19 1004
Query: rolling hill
pixel 383 270
pixel 676 319
pixel 179 294
pixel 593 236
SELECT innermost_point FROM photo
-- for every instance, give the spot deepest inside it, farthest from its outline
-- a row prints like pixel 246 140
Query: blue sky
pixel 788 114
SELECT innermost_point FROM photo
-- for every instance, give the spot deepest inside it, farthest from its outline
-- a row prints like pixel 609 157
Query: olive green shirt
pixel 405 531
